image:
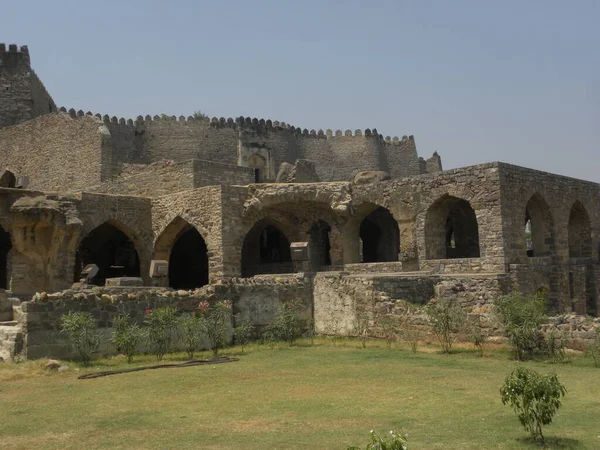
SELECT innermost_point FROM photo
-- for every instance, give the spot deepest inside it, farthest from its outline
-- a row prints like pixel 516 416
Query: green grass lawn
pixel 321 397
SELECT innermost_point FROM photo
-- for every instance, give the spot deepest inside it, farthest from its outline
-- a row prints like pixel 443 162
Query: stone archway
pixel 539 227
pixel 580 232
pixel 112 250
pixel 320 245
pixel 451 229
pixel 266 249
pixel 380 237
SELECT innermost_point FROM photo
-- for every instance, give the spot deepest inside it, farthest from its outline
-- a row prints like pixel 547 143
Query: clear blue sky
pixel 478 81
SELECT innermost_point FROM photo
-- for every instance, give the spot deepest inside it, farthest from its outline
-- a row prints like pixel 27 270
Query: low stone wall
pixel 258 299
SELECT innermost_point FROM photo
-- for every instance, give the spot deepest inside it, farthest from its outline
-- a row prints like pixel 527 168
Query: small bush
pixel 192 330
pixel 198 114
pixel 216 319
pixel 476 336
pixel 243 331
pixel 310 332
pixel 162 328
pixel 127 336
pixel 555 344
pixel 447 320
pixel 287 326
pixel 534 397
pixel 395 441
pixel 82 330
pixel 362 328
pixel 594 349
pixel 521 317
pixel 389 328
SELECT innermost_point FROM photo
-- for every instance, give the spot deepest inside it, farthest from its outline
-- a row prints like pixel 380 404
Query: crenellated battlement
pixel 12 56
pixel 243 123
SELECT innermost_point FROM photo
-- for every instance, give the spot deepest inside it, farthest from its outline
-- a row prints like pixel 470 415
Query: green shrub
pixel 395 441
pixel 476 336
pixel 287 326
pixel 594 349
pixel 534 397
pixel 127 336
pixel 243 331
pixel 310 332
pixel 389 328
pixel 362 328
pixel 215 319
pixel 162 328
pixel 521 317
pixel 447 320
pixel 555 344
pixel 192 330
pixel 82 330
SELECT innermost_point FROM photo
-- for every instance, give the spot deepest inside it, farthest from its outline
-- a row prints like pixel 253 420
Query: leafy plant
pixel 127 336
pixel 82 330
pixel 200 115
pixel 534 397
pixel 476 336
pixel 594 349
pixel 362 328
pixel 161 325
pixel 287 326
pixel 310 332
pixel 192 330
pixel 269 337
pixel 216 319
pixel 447 320
pixel 395 441
pixel 389 328
pixel 554 345
pixel 243 331
pixel 521 318
pixel 411 336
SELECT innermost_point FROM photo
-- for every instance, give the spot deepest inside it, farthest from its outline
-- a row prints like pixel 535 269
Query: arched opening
pixel 539 240
pixel 188 262
pixel 111 250
pixel 259 164
pixel 320 246
pixel 380 237
pixel 451 230
pixel 266 250
pixel 5 246
pixel 580 232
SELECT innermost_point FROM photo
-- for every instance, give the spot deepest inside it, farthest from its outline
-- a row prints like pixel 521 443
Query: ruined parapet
pixel 433 164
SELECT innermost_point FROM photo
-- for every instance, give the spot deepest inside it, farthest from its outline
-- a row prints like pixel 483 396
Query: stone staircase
pixel 11 331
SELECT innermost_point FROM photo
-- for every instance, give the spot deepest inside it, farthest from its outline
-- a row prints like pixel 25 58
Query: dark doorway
pixel 5 246
pixel 188 263
pixel 320 246
pixel 266 250
pixel 111 250
pixel 380 237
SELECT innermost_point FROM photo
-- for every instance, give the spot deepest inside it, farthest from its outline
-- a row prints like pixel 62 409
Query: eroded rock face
pixel 303 171
pixel 285 170
pixel 371 176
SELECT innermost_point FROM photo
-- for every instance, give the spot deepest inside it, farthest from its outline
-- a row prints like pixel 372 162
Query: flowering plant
pixel 395 441
pixel 161 325
pixel 215 321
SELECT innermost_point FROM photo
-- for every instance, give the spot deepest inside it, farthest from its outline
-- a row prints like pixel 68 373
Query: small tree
pixel 311 332
pixel 447 320
pixel 534 397
pixel 362 328
pixel 82 330
pixel 192 330
pixel 162 329
pixel 243 331
pixel 200 115
pixel 389 328
pixel 476 336
pixel 127 336
pixel 594 349
pixel 521 318
pixel 216 318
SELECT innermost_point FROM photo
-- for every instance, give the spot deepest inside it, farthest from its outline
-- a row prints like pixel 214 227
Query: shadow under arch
pixel 5 247
pixel 112 249
pixel 266 249
pixel 580 232
pixel 451 229
pixel 183 246
pixel 539 227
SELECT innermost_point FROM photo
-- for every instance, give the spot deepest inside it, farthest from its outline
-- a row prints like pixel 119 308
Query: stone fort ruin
pixel 221 200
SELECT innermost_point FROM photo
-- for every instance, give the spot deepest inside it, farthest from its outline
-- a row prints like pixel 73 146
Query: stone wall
pixel 259 300
pixel 58 152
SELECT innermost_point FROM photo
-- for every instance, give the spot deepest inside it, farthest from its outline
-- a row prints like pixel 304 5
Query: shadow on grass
pixel 551 443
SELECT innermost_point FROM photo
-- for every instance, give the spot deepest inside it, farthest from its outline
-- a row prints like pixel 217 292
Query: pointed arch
pixel 451 229
pixel 320 244
pixel 259 164
pixel 380 236
pixel 266 249
pixel 112 247
pixel 539 227
pixel 580 232
pixel 185 248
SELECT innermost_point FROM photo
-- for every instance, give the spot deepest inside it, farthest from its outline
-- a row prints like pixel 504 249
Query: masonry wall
pixel 209 173
pixel 57 152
